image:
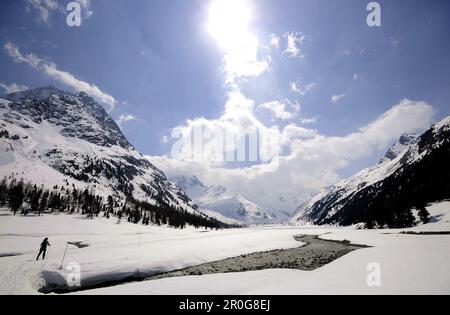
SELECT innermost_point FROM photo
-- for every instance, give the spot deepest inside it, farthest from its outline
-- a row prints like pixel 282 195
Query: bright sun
pixel 228 22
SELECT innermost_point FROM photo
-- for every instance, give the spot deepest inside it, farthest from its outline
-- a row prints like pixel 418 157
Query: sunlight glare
pixel 228 23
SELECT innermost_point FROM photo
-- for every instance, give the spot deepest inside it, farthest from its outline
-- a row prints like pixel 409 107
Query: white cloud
pixel 124 118
pixel 356 77
pixel 14 53
pixel 275 40
pixel 243 62
pixel 311 160
pixel 293 41
pixel 50 69
pixel 292 131
pixel 14 87
pixel 344 52
pixel 67 78
pixel 165 139
pixel 238 118
pixel 295 105
pixel 44 8
pixel 296 88
pixel 86 6
pixel 278 109
pixel 337 98
pixel 394 41
pixel 308 121
pixel 307 160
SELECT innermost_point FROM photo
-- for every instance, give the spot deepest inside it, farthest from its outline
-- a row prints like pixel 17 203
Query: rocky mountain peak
pixel 400 146
pixel 79 115
pixel 52 137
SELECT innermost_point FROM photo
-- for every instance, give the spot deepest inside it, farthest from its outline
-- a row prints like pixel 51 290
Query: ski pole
pixel 62 262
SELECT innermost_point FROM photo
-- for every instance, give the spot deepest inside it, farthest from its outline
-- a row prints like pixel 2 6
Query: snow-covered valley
pixel 117 225
pixel 409 264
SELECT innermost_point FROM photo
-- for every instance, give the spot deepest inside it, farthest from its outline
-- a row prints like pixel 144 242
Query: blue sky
pixel 159 62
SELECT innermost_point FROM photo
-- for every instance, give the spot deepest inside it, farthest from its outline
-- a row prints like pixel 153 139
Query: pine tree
pixel 3 191
pixel 17 196
pixel 110 203
pixel 158 219
pixel 44 202
pixel 67 200
pixel 424 215
pixel 35 196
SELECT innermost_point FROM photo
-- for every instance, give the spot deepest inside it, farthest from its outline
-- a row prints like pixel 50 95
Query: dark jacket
pixel 44 244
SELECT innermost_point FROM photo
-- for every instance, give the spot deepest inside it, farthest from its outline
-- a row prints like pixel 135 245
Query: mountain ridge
pixel 217 199
pixel 387 193
pixel 49 136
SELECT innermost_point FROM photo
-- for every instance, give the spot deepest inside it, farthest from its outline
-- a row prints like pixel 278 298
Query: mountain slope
pixel 413 173
pixel 216 199
pixel 52 137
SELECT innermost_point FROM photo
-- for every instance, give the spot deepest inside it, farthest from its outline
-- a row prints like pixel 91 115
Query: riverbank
pixel 314 254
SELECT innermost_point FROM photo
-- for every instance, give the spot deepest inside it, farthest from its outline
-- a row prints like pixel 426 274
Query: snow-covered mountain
pixel 52 137
pixel 399 147
pixel 413 172
pixel 217 200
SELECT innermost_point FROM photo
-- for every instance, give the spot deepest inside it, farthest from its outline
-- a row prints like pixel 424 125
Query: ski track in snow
pixel 115 251
pixel 20 277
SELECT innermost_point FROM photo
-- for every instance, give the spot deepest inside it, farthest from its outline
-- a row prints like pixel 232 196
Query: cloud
pixel 51 69
pixel 278 109
pixel 86 6
pixel 293 131
pixel 337 98
pixel 293 40
pixel 310 161
pixel 203 139
pixel 164 139
pixel 295 105
pixel 275 40
pixel 308 121
pixel 296 88
pixel 67 78
pixel 45 8
pixel 14 53
pixel 14 87
pixel 306 161
pixel 124 118
pixel 344 52
pixel 394 41
pixel 356 77
pixel 242 61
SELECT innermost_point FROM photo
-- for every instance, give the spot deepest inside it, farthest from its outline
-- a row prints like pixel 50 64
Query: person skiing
pixel 43 249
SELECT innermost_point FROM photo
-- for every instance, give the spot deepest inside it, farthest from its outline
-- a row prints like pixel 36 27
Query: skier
pixel 43 249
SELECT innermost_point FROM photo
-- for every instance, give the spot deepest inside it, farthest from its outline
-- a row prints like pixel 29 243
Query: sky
pixel 334 92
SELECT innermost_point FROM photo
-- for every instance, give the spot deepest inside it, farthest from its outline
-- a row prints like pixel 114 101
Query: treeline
pixel 25 198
